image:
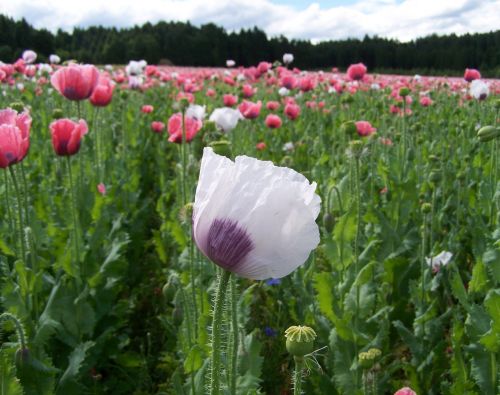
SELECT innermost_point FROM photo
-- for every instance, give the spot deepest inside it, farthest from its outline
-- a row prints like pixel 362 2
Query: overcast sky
pixel 320 20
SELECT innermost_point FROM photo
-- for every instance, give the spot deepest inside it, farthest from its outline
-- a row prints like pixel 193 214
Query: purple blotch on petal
pixel 227 243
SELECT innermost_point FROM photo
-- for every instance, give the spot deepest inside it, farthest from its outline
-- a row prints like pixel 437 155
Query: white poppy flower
pixel 442 259
pixel 479 89
pixel 29 56
pixel 44 68
pixel 241 77
pixel 54 59
pixel 230 63
pixel 195 111
pixel 287 58
pixel 108 67
pixel 252 218
pixel 375 86
pixel 135 67
pixel 288 146
pixel 226 118
pixel 283 91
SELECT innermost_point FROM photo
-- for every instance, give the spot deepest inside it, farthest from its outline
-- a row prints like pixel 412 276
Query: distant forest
pixel 183 44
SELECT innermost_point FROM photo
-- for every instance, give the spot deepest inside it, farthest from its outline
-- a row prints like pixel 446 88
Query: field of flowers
pixel 259 230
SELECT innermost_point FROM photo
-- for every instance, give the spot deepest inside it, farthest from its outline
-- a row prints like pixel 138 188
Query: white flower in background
pixel 134 81
pixel 375 86
pixel 283 91
pixel 135 67
pixel 54 59
pixel 241 77
pixel 226 118
pixel 195 111
pixel 417 77
pixel 479 89
pixel 252 218
pixel 287 58
pixel 29 56
pixel 288 146
pixel 331 89
pixel 44 68
pixel 108 67
pixel 174 75
pixel 442 259
pixel 20 86
pixel 230 63
pixel 227 73
pixel 143 63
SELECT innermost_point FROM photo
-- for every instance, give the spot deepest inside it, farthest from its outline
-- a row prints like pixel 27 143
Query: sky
pixel 316 21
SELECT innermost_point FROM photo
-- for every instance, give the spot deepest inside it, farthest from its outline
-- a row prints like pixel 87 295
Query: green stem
pixel 422 268
pixel 7 203
pixel 297 378
pixel 75 219
pixel 215 373
pixel 234 337
pixel 356 259
pixel 19 213
pixel 26 195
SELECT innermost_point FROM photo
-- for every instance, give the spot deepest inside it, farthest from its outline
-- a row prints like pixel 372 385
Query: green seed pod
pixel 426 208
pixel 356 148
pixel 403 92
pixel 300 340
pixel 368 358
pixel 222 147
pixel 17 106
pixel 329 222
pixel 435 176
pixel 124 94
pixel 488 133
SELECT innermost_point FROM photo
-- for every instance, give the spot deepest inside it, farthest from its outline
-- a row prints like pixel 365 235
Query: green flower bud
pixel 300 340
pixel 171 286
pixel 222 147
pixel 57 113
pixel 22 357
pixel 177 315
pixel 17 106
pixel 124 94
pixel 488 133
pixel 286 161
pixel 329 222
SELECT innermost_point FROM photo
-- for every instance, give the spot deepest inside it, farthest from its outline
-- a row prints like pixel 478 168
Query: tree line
pixel 184 44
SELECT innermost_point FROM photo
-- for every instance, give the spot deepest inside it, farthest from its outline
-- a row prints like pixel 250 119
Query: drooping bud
pixel 17 106
pixel 349 128
pixel 403 92
pixel 300 340
pixel 426 208
pixel 57 113
pixel 222 147
pixel 488 133
pixel 329 222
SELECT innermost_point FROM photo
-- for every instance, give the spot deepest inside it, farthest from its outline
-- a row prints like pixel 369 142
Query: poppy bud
pixel 488 133
pixel 222 147
pixel 57 113
pixel 435 176
pixel 300 340
pixel 329 222
pixel 17 106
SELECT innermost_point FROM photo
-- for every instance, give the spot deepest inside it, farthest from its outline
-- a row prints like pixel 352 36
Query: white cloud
pixel 404 20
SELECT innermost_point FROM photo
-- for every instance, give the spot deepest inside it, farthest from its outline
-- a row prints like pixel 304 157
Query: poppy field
pixel 261 230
